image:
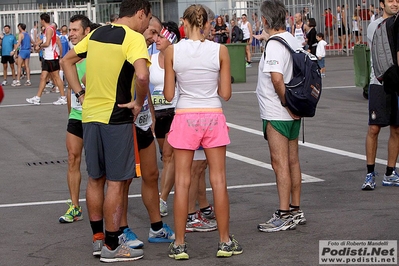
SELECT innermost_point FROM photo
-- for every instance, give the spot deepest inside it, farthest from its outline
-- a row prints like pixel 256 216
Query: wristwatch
pixel 80 93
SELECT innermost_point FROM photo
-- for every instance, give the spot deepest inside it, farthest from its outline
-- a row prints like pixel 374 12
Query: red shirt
pixel 182 33
pixel 329 20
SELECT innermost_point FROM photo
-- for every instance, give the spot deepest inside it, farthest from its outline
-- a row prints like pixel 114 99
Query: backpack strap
pixel 280 40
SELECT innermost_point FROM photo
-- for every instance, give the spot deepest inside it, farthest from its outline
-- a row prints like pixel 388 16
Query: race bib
pixel 158 98
pixel 144 119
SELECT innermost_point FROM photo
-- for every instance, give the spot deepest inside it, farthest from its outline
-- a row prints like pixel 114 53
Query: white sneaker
pixel 57 90
pixel 16 84
pixel 4 83
pixel 34 100
pixel 61 101
pixel 13 82
pixel 49 85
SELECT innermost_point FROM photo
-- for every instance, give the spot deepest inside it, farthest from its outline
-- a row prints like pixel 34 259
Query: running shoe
pixel 369 182
pixel 34 100
pixel 277 223
pixel 28 83
pixel 74 213
pixel 130 239
pixel 227 250
pixel 179 252
pixel 98 242
pixel 298 216
pixel 392 180
pixel 164 235
pixel 121 253
pixel 4 83
pixel 248 65
pixel 211 215
pixel 200 224
pixel 61 101
pixel 163 207
pixel 49 85
pixel 16 83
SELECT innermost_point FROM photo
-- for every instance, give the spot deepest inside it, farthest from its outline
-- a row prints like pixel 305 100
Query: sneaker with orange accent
pixel 98 242
pixel 121 253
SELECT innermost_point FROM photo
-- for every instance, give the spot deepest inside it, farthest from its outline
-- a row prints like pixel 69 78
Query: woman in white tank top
pixel 201 69
pixel 164 110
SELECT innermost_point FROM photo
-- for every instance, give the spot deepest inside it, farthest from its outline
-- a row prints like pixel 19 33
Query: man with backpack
pixel 383 111
pixel 280 125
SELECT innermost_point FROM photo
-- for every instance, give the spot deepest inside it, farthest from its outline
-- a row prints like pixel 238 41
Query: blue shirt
pixel 25 43
pixel 8 44
pixel 65 44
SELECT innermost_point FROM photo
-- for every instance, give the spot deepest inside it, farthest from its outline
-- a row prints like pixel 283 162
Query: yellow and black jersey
pixel 110 52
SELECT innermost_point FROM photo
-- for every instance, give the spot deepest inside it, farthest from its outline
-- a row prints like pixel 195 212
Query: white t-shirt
pixel 157 75
pixel 197 67
pixel 278 59
pixel 370 32
pixel 321 49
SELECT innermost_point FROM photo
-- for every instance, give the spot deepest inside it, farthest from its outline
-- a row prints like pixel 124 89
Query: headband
pixel 169 35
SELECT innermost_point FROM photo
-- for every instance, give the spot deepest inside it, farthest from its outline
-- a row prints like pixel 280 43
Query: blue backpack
pixel 303 92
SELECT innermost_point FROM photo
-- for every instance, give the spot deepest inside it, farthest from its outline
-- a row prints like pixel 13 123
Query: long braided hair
pixel 197 16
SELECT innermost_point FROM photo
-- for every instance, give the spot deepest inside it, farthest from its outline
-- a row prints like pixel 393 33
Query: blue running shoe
pixel 164 235
pixel 392 180
pixel 369 182
pixel 130 239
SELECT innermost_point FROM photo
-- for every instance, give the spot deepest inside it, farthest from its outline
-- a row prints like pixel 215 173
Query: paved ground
pixel 332 159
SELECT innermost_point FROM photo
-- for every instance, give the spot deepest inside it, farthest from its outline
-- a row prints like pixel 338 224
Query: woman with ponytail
pixel 201 70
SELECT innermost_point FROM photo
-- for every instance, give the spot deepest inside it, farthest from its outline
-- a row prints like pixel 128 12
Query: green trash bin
pixel 362 66
pixel 237 62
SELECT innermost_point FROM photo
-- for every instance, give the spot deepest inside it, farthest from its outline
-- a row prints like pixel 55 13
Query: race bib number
pixel 143 118
pixel 158 98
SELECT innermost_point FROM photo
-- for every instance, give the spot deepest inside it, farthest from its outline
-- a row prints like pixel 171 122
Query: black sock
pixel 122 228
pixel 389 171
pixel 294 207
pixel 370 168
pixel 191 217
pixel 157 226
pixel 206 210
pixel 283 213
pixel 97 226
pixel 111 239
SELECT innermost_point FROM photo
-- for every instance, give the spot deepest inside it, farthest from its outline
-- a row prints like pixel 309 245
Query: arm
pixel 169 81
pixel 69 65
pixel 59 46
pixel 224 88
pixel 279 87
pixel 49 34
pixel 141 87
pixel 250 32
pixel 20 38
pixel 152 111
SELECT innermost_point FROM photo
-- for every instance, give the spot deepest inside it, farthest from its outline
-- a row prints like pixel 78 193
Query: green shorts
pixel 289 129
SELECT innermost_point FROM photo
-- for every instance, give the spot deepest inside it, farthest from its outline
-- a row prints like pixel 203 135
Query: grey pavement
pixel 32 197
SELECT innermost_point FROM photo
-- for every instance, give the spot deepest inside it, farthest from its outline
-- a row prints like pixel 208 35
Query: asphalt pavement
pixel 33 188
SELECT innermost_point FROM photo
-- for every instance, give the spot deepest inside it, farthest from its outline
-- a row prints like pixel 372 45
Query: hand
pixel 295 117
pixel 81 99
pixel 133 106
